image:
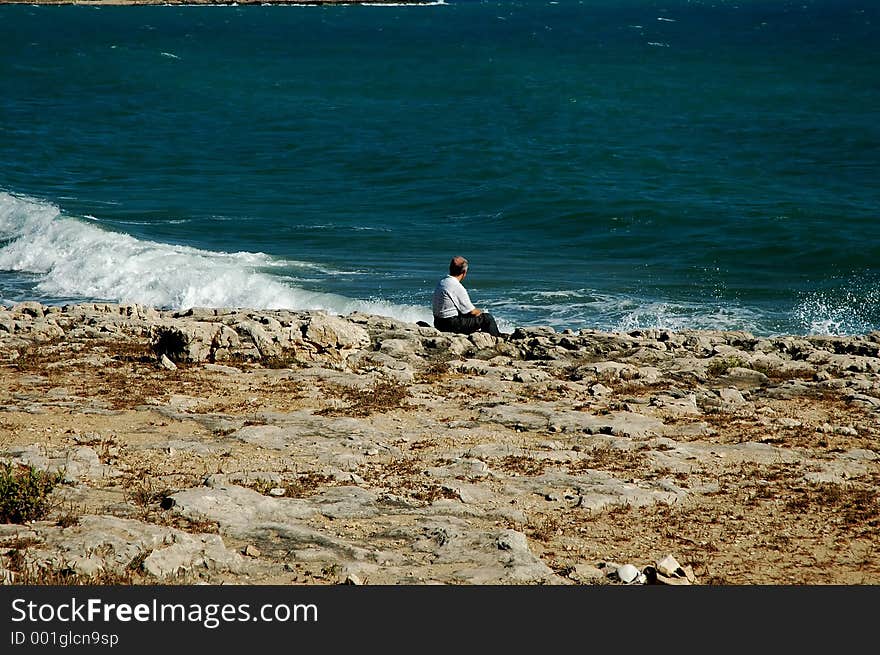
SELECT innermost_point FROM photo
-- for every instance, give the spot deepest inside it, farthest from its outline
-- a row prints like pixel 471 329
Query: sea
pixel 602 164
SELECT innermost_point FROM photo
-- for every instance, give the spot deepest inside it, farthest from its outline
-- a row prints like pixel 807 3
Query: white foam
pixel 75 258
pixel 563 293
pixel 683 316
pixel 591 309
pixel 849 311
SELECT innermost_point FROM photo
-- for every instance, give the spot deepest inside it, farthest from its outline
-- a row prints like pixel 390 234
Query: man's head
pixel 458 266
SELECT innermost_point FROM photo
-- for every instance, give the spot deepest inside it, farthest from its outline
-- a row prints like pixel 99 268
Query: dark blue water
pixel 608 164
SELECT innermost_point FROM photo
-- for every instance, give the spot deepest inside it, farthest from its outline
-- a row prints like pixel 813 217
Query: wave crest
pixel 75 258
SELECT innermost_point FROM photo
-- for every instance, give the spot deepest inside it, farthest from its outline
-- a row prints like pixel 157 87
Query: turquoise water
pixel 609 165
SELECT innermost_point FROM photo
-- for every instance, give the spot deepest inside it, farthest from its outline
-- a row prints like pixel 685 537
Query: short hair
pixel 457 266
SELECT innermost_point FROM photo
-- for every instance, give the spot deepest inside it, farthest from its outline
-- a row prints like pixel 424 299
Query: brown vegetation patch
pixel 434 372
pixel 381 473
pixel 428 493
pixel 849 506
pixel 732 430
pixel 279 395
pixel 284 360
pixel 381 396
pixel 543 392
pixel 28 573
pixel 68 515
pixel 572 373
pixel 131 378
pixel 521 465
pixel 422 444
pixel 123 351
pixel 193 526
pixel 638 388
pixel 123 374
pixel 778 375
pixel 406 477
pixel 605 457
pixel 34 357
pixel 57 354
pixel 831 410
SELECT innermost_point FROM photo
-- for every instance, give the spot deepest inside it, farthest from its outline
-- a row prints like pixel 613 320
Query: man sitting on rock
pixel 452 306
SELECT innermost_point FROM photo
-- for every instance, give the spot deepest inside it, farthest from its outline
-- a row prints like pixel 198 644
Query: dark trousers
pixel 468 324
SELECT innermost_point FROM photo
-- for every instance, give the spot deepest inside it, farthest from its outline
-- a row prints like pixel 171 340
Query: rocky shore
pixel 282 447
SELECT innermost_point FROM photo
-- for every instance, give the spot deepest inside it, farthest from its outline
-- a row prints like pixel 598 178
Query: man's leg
pixel 487 324
pixel 468 324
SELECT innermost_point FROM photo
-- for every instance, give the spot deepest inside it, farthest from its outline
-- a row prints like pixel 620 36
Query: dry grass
pixel 434 372
pixel 283 360
pixel 545 528
pixel 382 396
pixel 847 506
pixel 305 485
pixel 521 465
pixel 29 574
pixel 607 458
pixel 406 477
pixel 26 571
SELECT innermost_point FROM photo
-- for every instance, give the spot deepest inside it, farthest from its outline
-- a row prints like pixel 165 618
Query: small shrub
pixel 170 342
pixel 69 516
pixel 24 493
pixel 721 366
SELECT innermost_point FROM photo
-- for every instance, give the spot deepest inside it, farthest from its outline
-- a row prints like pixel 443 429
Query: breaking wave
pixel 71 257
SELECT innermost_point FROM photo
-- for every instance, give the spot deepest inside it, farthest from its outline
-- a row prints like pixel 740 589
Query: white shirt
pixel 451 298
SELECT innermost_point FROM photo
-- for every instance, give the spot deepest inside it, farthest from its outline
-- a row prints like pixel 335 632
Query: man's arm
pixel 462 301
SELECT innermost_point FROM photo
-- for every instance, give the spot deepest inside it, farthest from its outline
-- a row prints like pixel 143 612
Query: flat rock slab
pixel 438 542
pixel 111 544
pixel 550 418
